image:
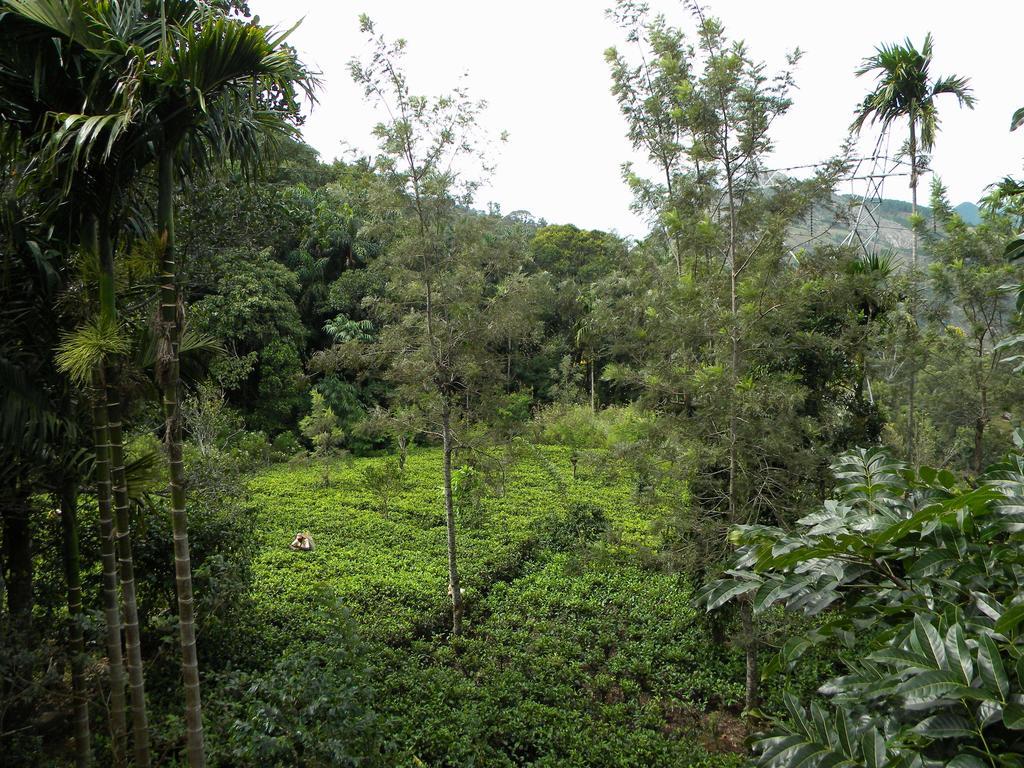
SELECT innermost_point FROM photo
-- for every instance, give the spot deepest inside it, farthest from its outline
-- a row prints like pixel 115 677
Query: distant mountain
pixel 969 213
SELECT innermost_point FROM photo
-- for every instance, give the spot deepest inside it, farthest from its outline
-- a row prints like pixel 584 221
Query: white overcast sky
pixel 540 66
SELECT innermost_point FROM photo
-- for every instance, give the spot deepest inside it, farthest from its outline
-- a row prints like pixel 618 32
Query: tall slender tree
pixel 194 85
pixel 454 295
pixel 905 90
pixel 224 89
pixel 702 340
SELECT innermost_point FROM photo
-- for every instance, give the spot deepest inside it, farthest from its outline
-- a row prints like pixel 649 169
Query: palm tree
pixel 191 86
pixel 38 80
pixel 905 90
pixel 225 89
pixel 104 41
pixel 43 428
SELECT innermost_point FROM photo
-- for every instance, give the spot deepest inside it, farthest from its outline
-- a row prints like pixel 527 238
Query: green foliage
pixel 83 351
pixel 320 427
pixel 923 575
pixel 575 664
pixel 567 659
pixel 344 400
pixel 383 480
pixel 390 573
pixel 284 446
pixel 312 707
pixel 251 309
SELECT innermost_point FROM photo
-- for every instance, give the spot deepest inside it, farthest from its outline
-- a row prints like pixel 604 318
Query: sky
pixel 540 66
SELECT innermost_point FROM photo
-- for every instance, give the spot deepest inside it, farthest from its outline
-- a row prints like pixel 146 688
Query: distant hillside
pixel 833 223
pixel 969 213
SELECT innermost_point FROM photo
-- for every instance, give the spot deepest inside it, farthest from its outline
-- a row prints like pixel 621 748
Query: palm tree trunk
pixel 913 188
pixel 122 528
pixel 73 577
pixel 111 610
pixel 170 380
pixel 449 514
pixel 133 644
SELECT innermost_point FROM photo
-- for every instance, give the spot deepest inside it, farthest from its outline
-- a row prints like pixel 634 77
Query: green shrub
pixel 313 707
pixel 383 480
pixel 284 447
pixel 922 580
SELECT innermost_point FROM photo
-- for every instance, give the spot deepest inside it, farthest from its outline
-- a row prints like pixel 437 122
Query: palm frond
pixel 84 350
pixel 1017 120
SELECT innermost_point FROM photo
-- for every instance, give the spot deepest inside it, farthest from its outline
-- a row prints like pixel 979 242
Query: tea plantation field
pixel 577 650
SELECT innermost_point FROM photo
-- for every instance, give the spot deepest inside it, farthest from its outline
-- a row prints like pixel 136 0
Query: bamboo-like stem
pixel 126 567
pixel 111 609
pixel 170 380
pixel 119 495
pixel 73 579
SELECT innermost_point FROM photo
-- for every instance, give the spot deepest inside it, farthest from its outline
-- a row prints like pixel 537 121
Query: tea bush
pixel 574 653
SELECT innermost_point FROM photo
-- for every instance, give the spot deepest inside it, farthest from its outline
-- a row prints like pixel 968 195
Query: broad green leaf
pixel 944 725
pixel 726 590
pixel 993 674
pixel 1011 617
pixel 873 746
pixel 927 687
pixel 1013 717
pixel 1015 248
pixel 931 561
pixel 929 643
pixel 772 747
pixel 843 735
pixel 898 657
pixel 966 761
pixel 1017 120
pixel 958 654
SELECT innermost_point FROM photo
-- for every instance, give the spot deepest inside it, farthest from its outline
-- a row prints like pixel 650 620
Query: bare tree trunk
pixel 133 643
pixel 979 431
pixel 912 384
pixel 593 387
pixel 750 642
pixel 111 609
pixel 449 512
pixel 73 578
pixel 170 378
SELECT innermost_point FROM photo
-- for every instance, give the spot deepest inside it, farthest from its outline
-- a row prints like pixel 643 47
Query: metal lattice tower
pixel 871 171
pixel 861 220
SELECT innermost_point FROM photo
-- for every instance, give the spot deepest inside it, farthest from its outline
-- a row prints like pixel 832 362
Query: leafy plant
pixel 383 480
pixel 921 578
pixel 320 427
